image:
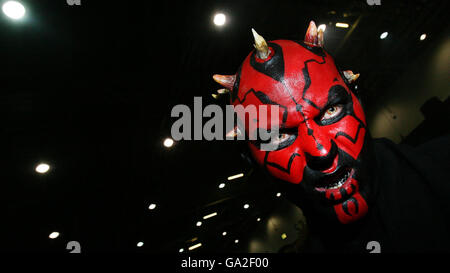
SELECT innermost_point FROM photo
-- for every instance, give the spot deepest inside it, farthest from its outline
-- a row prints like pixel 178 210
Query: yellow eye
pixel 280 139
pixel 332 112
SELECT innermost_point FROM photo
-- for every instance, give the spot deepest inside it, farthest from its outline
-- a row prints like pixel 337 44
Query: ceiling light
pixel 168 142
pixel 219 19
pixel 236 241
pixel 140 244
pixel 42 168
pixel 258 219
pixel 152 206
pixel 195 246
pixel 423 37
pixel 210 215
pixel 224 233
pixel 322 27
pixel 246 206
pixel 53 235
pixel 13 9
pixel 283 236
pixel 342 25
pixel 199 223
pixel 222 185
pixel 181 250
pixel 235 176
pixel 383 35
pixel 279 194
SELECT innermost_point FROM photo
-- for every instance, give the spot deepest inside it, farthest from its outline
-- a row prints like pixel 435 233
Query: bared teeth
pixel 339 183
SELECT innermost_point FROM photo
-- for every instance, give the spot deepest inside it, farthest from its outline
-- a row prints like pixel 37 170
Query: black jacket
pixel 411 211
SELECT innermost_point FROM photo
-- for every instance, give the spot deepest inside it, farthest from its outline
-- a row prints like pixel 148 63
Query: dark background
pixel 89 90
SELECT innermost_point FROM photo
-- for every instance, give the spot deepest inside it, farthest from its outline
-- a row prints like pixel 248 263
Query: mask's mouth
pixel 338 185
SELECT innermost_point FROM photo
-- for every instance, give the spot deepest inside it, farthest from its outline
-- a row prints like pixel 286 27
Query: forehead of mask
pixel 297 78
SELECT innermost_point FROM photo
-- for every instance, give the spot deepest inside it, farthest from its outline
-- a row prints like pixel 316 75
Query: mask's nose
pixel 320 150
pixel 322 163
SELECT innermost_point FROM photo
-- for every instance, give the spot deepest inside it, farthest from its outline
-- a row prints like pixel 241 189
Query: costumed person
pixel 354 191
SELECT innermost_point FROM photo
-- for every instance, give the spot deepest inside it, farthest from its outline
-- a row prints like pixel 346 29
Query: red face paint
pixel 322 123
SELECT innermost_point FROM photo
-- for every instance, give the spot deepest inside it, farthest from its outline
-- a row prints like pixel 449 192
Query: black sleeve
pixel 432 160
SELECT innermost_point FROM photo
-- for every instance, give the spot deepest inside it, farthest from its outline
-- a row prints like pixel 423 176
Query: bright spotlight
pixel 13 9
pixel 219 19
pixel 383 35
pixel 224 233
pixel 258 219
pixel 181 250
pixel 279 194
pixel 168 142
pixel 342 25
pixel 195 246
pixel 246 206
pixel 198 223
pixel 423 37
pixel 53 235
pixel 236 241
pixel 222 185
pixel 42 168
pixel 152 206
pixel 235 176
pixel 210 215
pixel 140 244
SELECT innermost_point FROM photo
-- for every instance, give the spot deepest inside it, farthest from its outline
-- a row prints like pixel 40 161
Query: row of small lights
pixel 246 206
pixel 199 223
pixel 383 35
pixel 220 19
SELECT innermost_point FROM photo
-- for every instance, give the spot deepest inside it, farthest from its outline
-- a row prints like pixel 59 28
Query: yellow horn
pixel 350 76
pixel 262 49
pixel 311 38
pixel 226 81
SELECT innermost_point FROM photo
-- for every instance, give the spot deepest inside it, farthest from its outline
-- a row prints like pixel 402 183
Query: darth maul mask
pixel 321 145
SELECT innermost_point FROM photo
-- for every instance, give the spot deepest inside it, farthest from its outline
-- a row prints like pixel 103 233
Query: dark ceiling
pixel 89 89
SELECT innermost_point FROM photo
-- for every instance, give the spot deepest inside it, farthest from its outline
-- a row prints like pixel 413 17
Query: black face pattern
pixel 322 127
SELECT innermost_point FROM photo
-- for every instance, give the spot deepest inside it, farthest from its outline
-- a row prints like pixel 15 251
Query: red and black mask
pixel 322 131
